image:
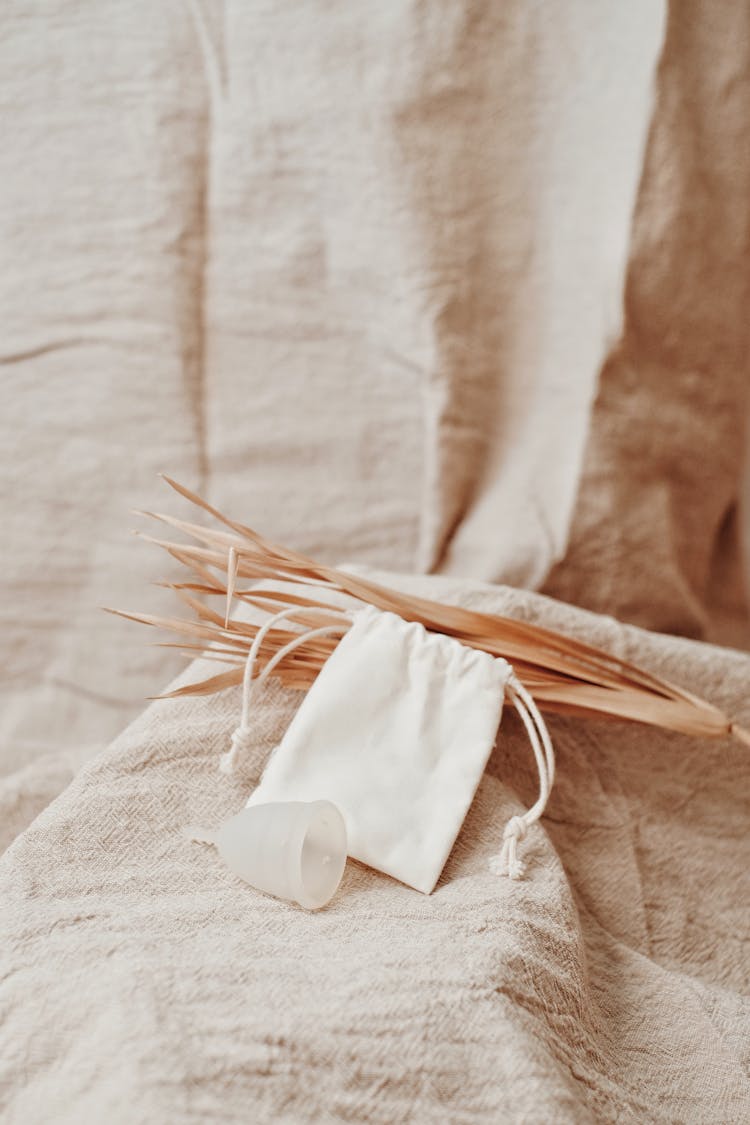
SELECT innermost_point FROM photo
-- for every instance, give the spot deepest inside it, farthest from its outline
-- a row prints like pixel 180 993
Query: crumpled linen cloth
pixel 385 285
pixel 140 981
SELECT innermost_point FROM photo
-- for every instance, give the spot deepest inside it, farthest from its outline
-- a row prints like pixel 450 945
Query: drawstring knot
pixel 241 743
pixel 508 862
pixel 516 829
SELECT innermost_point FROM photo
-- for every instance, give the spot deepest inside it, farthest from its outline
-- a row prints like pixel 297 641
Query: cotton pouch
pixel 396 731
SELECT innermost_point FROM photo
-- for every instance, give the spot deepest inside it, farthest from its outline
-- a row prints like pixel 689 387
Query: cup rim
pixel 312 810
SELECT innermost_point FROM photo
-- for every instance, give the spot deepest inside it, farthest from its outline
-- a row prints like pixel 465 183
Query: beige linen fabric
pixel 100 202
pixel 419 232
pixel 654 538
pixel 141 982
pixel 366 278
pixel 370 281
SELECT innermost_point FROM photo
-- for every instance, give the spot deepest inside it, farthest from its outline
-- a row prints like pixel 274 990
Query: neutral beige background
pixel 458 286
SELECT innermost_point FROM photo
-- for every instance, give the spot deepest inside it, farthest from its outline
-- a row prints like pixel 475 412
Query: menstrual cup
pixel 293 849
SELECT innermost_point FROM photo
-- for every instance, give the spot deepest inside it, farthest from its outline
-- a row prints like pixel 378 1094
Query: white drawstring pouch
pixel 396 731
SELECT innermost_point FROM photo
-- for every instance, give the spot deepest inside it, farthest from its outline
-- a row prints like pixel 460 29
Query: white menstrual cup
pixel 291 849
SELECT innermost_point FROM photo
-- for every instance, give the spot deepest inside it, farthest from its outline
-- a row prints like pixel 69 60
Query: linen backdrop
pixel 453 287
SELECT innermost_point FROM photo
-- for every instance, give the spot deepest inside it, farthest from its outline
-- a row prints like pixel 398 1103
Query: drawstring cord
pixel 508 863
pixel 242 737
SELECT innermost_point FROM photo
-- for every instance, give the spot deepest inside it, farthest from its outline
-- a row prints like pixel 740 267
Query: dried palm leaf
pixel 563 674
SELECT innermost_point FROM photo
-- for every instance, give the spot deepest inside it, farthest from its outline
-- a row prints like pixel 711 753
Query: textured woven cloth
pixel 382 283
pixel 140 981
